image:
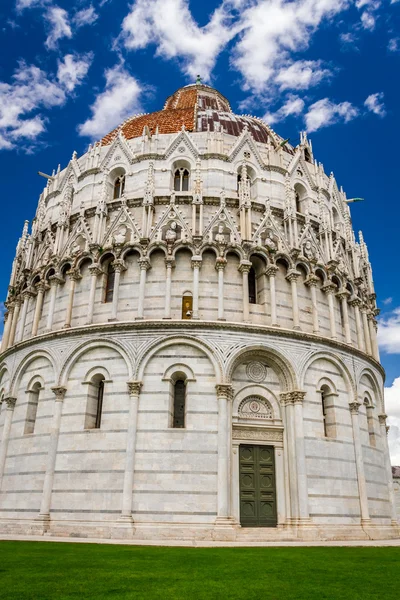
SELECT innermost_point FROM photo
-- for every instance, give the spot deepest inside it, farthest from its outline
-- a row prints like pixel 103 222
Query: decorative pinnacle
pixel 198 79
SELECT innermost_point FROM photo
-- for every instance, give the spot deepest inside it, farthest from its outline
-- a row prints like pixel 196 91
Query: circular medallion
pixel 254 406
pixel 256 371
pixel 181 149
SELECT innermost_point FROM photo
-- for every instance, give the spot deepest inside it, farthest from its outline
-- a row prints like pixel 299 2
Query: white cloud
pixel 325 112
pixel 302 74
pixel 86 16
pixel 392 407
pixel 22 4
pixel 58 24
pixel 72 70
pixel 275 29
pixel 368 21
pixel 349 40
pixel 375 104
pixel 387 301
pixel 394 45
pixel 294 105
pixel 119 100
pixel 170 26
pixel 389 332
pixel 30 92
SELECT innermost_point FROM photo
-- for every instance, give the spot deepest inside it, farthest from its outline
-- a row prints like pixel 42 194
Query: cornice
pixel 194 326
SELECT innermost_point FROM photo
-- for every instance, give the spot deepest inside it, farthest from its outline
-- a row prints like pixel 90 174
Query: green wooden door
pixel 257 486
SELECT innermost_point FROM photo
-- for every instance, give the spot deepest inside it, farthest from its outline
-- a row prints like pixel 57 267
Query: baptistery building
pixel 189 349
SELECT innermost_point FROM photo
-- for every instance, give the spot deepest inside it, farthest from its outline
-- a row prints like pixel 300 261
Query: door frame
pixel 259 437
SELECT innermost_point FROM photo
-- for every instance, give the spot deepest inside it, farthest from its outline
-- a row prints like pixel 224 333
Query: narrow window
pixel 119 186
pixel 33 401
pixel 307 155
pixel 370 422
pixel 187 307
pixel 298 204
pixel 94 406
pixel 328 412
pixel 239 179
pixel 181 180
pixel 252 286
pixel 110 283
pixel 179 404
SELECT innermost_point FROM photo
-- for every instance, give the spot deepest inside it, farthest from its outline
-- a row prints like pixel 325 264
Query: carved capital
pixel 355 301
pixel 56 280
pixel 74 275
pixel 312 281
pixel 220 263
pixel 224 391
pixel 196 262
pixel 59 392
pixel 382 419
pixel 10 401
pixel 144 264
pixel 271 271
pixel 354 406
pixel 95 269
pixel 41 286
pixel 245 266
pixel 329 288
pixel 292 275
pixel 169 262
pixel 134 387
pixel 118 265
pixel 293 397
pixel 343 295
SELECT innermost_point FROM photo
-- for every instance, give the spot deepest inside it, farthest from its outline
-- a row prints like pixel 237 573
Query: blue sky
pixel 72 70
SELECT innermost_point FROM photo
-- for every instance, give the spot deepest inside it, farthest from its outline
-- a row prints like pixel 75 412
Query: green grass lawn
pixel 44 570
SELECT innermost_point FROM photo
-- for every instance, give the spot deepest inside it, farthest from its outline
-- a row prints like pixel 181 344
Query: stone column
pixel 17 308
pixel 44 514
pixel 362 486
pixel 26 296
pixel 169 263
pixel 271 272
pixel 244 268
pixel 74 276
pixel 367 339
pixel 312 283
pixel 373 326
pixel 355 303
pixel 38 308
pixel 330 290
pixel 134 391
pixel 144 265
pixel 196 266
pixel 55 280
pixel 384 430
pixel 118 268
pixel 220 266
pixel 290 437
pixel 297 398
pixel 6 434
pixel 94 270
pixel 343 296
pixel 293 276
pixel 7 327
pixel 224 396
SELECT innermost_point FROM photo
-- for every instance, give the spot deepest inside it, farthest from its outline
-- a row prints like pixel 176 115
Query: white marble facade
pixel 249 286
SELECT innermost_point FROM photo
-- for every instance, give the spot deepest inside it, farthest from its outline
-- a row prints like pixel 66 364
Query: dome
pixel 197 108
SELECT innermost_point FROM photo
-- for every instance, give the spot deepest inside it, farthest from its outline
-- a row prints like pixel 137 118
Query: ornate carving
pixel 59 393
pixel 267 435
pixel 10 401
pixel 224 391
pixel 134 387
pixel 354 406
pixel 256 371
pixel 255 407
pixel 382 419
pixel 294 397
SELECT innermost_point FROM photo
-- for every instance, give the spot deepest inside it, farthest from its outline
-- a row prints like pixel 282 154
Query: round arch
pixel 375 384
pixel 14 384
pixel 195 343
pixel 284 369
pixel 75 355
pixel 344 371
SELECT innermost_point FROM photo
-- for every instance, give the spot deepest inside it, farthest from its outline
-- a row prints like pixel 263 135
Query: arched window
pixel 110 280
pixel 298 204
pixel 119 186
pixel 187 306
pixel 181 180
pixel 178 417
pixel 328 411
pixel 33 401
pixel 94 406
pixel 369 409
pixel 252 286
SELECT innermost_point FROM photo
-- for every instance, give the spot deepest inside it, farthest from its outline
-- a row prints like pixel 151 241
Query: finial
pixel 198 80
